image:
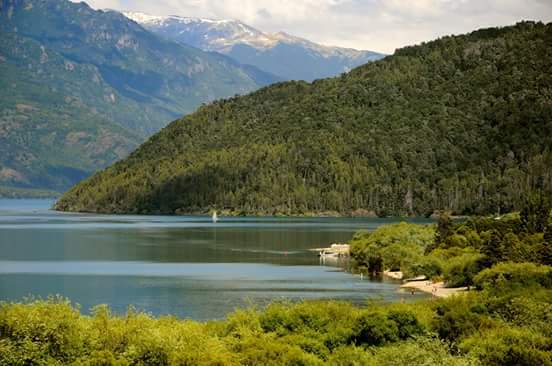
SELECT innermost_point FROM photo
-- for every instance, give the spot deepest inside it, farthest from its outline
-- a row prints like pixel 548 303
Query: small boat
pixel 215 218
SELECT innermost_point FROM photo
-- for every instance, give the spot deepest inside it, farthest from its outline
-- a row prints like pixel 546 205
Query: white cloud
pixel 380 25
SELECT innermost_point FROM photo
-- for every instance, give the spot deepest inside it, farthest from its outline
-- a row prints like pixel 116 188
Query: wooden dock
pixel 335 251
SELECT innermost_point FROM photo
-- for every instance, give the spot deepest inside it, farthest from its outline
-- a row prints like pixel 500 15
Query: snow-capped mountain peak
pixel 280 53
pixel 222 34
pixel 218 33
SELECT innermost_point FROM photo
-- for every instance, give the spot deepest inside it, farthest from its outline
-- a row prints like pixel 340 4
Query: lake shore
pixel 437 289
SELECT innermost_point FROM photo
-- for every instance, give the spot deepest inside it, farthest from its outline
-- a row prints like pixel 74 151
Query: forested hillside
pixel 80 89
pixel 462 123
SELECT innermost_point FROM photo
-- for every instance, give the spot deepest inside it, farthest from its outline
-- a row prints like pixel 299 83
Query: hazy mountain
pixel 80 88
pixel 462 123
pixel 289 57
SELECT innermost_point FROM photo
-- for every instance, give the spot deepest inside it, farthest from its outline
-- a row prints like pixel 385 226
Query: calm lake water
pixel 185 266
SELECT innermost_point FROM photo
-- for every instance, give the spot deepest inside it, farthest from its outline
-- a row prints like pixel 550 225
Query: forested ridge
pixel 463 123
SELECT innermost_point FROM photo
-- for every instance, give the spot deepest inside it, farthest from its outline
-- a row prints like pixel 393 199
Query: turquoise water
pixel 185 266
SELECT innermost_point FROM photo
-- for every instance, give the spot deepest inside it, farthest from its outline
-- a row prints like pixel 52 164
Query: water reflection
pixel 185 266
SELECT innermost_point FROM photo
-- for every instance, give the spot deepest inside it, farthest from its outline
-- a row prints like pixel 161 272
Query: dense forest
pixel 463 123
pixel 504 320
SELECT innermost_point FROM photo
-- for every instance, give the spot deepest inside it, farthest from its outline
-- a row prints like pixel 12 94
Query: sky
pixel 378 25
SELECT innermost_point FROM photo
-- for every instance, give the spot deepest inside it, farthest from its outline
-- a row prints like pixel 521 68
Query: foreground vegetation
pixel 462 123
pixel 505 320
pixel 491 327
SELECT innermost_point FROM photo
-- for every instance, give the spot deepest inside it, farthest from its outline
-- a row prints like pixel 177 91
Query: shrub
pixel 350 356
pixel 509 346
pixel 391 246
pixel 43 329
pixel 407 323
pixel 525 310
pixel 374 329
pixel 459 317
pixel 102 358
pixel 460 271
pixel 510 276
pixel 428 266
pixel 422 351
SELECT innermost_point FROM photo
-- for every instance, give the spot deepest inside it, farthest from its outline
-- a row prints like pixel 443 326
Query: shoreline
pixel 233 214
pixel 437 289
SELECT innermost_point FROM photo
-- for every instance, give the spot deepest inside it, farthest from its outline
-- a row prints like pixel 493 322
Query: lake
pixel 184 266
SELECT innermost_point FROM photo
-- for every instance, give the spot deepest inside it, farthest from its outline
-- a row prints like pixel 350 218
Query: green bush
pixel 510 347
pixel 428 266
pixel 407 323
pixel 47 329
pixel 374 329
pixel 459 317
pixel 421 351
pixel 461 270
pixel 396 247
pixel 350 356
pixel 510 276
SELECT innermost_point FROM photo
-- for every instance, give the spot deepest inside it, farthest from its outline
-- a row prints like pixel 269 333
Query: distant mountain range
pixel 80 88
pixel 289 57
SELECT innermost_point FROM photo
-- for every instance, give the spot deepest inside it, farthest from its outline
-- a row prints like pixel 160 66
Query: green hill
pixel 461 123
pixel 81 88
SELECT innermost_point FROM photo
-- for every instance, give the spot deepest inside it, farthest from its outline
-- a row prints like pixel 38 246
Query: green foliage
pixel 422 351
pixel 41 333
pixel 374 329
pixel 462 124
pixel 459 317
pixel 54 332
pixel 396 247
pixel 509 275
pixel 444 230
pixel 460 271
pixel 534 215
pixel 407 324
pixel 509 346
pixel 429 266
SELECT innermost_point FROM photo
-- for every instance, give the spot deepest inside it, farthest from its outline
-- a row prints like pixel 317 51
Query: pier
pixel 334 251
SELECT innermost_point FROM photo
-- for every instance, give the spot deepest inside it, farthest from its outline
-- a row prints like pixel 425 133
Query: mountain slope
pixel 81 88
pixel 289 57
pixel 50 136
pixel 462 123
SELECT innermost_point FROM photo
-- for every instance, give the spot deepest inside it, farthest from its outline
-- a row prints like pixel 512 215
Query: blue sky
pixel 381 25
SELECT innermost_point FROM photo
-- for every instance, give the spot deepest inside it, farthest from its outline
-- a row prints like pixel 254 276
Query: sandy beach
pixel 438 289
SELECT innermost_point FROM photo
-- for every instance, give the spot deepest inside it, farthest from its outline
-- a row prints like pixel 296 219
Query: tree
pixel 444 230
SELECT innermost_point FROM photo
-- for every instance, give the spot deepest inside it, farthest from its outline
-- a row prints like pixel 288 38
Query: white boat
pixel 215 218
